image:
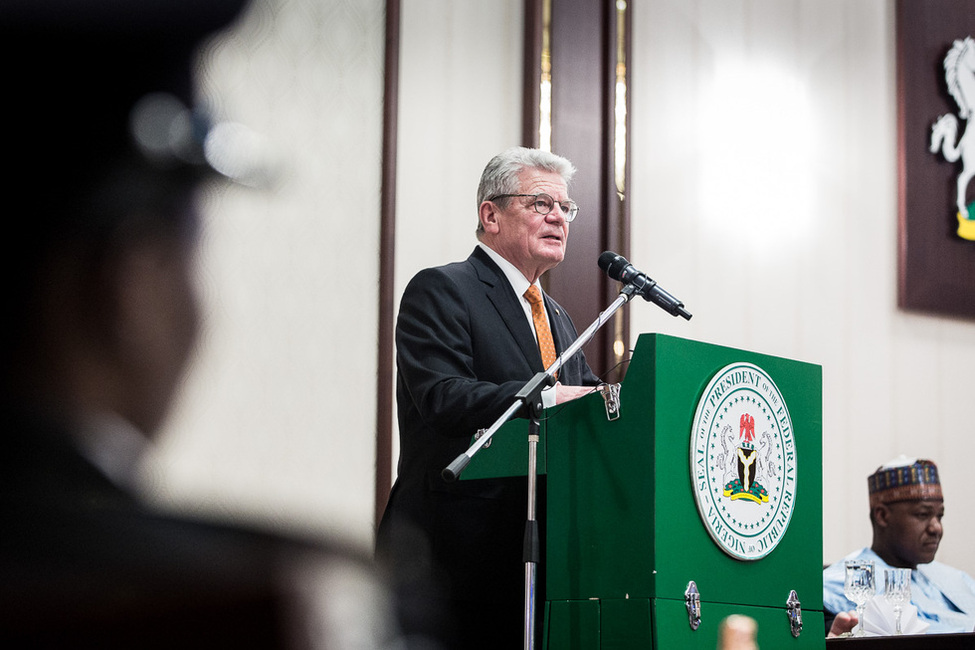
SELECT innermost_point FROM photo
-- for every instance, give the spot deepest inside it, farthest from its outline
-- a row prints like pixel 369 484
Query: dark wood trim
pixel 616 233
pixel 584 44
pixel 387 258
pixel 935 264
pixel 531 73
pixel 963 641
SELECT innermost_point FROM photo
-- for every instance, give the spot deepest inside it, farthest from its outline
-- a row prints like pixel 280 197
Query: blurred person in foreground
pixel 467 341
pixel 906 508
pixel 101 317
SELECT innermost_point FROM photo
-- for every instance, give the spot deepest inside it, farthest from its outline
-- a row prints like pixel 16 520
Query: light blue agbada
pixel 944 596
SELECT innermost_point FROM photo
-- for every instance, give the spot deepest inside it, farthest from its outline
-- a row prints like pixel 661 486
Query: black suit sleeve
pixel 453 362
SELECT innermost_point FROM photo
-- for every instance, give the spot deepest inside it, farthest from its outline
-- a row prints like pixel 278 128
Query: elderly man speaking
pixel 469 336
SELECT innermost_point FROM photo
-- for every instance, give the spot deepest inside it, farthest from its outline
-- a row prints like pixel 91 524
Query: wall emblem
pixel 743 461
pixel 959 67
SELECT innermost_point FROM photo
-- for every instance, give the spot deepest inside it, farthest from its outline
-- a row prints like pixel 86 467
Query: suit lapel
pixel 499 292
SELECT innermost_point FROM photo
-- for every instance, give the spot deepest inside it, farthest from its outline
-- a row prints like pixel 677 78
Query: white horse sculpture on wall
pixel 960 76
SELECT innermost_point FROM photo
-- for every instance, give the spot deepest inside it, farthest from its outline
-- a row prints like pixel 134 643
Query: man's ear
pixel 488 213
pixel 881 515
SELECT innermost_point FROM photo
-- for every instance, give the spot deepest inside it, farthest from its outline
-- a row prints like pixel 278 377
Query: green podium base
pixel 603 624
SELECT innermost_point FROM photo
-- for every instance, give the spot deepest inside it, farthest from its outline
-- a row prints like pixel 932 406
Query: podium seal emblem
pixel 743 461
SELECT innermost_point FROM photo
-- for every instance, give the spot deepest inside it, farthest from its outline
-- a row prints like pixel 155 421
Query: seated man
pixel 906 507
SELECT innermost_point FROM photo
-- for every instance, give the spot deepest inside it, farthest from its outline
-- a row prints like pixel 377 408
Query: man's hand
pixel 567 393
pixel 843 623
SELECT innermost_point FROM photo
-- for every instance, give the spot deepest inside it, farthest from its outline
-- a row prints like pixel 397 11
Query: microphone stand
pixel 530 397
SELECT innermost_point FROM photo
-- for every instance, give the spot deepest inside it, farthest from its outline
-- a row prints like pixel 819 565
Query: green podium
pixel 701 499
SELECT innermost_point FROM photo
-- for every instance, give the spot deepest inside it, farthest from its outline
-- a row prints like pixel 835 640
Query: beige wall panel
pixel 277 419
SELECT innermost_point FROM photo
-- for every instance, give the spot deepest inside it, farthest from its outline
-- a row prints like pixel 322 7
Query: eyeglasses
pixel 543 204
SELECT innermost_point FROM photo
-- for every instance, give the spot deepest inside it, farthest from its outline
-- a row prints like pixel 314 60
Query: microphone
pixel 617 268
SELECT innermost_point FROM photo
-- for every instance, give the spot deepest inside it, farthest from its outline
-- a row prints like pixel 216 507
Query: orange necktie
pixel 545 343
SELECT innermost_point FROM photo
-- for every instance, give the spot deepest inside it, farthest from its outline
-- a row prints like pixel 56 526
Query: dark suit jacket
pixel 464 349
pixel 84 563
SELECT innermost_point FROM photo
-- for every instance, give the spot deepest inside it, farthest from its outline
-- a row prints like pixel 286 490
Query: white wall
pixel 277 418
pixel 460 104
pixel 765 196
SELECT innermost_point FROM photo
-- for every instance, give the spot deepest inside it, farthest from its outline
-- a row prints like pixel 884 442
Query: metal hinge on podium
pixel 794 610
pixel 692 600
pixel 611 397
pixel 481 432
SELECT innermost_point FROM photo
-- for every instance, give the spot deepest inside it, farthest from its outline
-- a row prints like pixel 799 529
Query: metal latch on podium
pixel 692 600
pixel 611 398
pixel 794 610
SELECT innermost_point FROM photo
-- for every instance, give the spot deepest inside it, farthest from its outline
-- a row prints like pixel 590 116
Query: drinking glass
pixel 859 587
pixel 897 591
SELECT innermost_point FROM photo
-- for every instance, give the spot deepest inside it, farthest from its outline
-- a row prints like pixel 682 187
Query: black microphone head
pixel 605 259
pixel 612 264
